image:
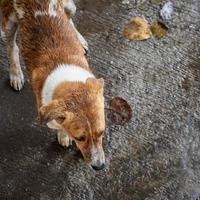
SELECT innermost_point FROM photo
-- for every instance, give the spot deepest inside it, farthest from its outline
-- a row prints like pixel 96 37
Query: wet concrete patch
pixel 90 12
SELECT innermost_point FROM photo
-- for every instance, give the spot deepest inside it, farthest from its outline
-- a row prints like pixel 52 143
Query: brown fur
pixel 6 9
pixel 47 43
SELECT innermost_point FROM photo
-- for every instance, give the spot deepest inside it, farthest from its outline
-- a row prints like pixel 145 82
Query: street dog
pixel 69 97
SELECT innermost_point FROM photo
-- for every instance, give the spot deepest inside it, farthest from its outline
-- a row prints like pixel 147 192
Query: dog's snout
pixel 98 167
pixel 97 158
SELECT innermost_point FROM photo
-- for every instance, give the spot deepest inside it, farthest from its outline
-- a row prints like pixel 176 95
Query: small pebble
pixel 125 2
pixel 167 10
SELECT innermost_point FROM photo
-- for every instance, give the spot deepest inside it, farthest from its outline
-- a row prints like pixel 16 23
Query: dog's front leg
pixel 64 139
pixel 9 32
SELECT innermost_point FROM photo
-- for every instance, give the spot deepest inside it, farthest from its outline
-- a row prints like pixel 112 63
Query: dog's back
pixel 47 36
pixel 45 29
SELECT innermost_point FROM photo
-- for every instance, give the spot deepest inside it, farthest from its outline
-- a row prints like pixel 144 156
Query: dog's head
pixel 80 113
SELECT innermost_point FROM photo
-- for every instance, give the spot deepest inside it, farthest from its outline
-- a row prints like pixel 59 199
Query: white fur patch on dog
pixel 63 73
pixel 70 7
pixel 51 11
pixel 40 13
pixel 54 125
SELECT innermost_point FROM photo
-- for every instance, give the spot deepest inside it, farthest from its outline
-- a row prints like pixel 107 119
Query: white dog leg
pixel 81 38
pixel 16 74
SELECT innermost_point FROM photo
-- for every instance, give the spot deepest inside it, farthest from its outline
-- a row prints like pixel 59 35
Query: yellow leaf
pixel 137 29
pixel 159 30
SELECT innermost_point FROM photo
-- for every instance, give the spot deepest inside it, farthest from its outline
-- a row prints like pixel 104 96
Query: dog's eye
pixel 60 120
pixel 81 139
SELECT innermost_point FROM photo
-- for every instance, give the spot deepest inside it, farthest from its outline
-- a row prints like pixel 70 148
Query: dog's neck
pixel 63 73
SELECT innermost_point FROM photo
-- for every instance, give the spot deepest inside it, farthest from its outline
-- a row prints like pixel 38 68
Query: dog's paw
pixel 16 79
pixel 64 139
pixel 83 43
pixel 85 47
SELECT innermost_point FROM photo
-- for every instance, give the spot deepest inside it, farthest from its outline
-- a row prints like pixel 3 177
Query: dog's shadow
pixel 68 153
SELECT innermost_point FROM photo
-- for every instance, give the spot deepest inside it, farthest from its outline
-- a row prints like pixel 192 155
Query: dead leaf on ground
pixel 159 29
pixel 137 29
pixel 120 111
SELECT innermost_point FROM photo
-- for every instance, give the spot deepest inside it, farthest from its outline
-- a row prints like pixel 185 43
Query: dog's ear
pixel 54 114
pixel 94 83
pixel 51 111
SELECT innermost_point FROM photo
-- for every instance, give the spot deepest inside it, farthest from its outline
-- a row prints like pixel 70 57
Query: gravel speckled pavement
pixel 154 157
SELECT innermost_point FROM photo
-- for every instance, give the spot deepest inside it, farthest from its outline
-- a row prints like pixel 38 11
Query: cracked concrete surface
pixel 154 157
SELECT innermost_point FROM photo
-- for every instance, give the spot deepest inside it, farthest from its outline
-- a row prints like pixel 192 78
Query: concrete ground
pixel 154 157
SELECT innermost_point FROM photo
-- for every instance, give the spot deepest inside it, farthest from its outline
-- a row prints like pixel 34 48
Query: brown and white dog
pixel 69 97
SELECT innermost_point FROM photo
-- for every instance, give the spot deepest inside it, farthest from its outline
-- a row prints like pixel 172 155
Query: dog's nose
pixel 98 167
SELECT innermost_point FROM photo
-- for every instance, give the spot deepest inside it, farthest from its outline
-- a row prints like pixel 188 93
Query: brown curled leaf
pixel 159 29
pixel 137 29
pixel 120 111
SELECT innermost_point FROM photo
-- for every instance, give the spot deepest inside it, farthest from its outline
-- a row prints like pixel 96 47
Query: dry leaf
pixel 120 111
pixel 137 29
pixel 159 30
